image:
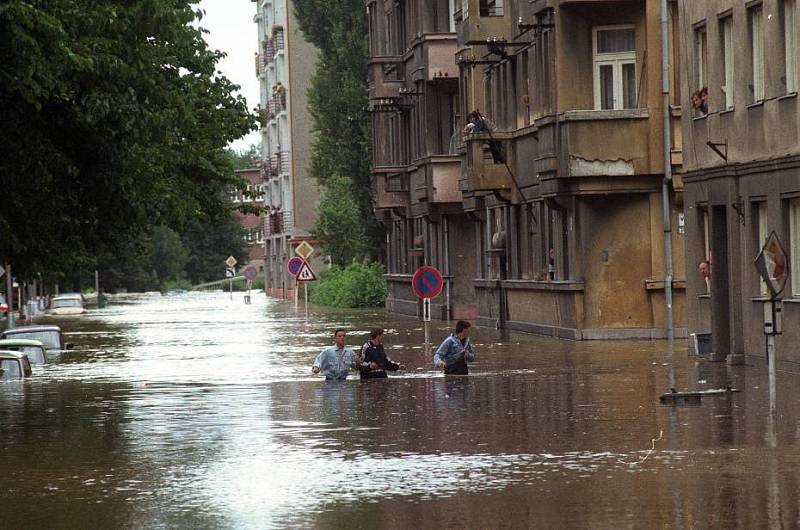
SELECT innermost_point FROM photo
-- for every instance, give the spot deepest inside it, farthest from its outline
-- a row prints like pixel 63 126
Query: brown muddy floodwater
pixel 195 411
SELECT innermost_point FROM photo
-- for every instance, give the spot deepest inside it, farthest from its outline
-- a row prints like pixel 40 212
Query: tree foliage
pixel 209 245
pixel 115 120
pixel 340 222
pixel 357 285
pixel 337 101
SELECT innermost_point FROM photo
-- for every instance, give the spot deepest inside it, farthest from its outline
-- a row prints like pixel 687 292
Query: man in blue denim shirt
pixel 336 361
pixel 455 351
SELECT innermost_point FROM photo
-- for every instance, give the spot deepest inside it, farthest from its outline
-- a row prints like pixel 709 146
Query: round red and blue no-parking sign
pixel 294 265
pixel 427 282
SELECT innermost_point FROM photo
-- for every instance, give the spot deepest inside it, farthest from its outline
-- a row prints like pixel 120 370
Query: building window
pixel 757 54
pixel 491 8
pixel 701 48
pixel 761 235
pixel 790 44
pixel 614 67
pixel 727 60
pixel 794 244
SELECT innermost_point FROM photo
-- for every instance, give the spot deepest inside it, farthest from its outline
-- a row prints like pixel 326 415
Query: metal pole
pixel 296 295
pixel 447 267
pixel 305 288
pixel 667 169
pixel 10 294
pixel 96 282
pixel 771 362
pixel 230 283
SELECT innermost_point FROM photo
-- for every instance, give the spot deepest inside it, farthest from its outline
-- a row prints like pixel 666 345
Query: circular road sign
pixel 427 282
pixel 294 265
pixel 250 273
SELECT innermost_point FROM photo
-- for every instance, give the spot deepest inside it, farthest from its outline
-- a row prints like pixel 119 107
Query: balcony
pixel 390 187
pixel 483 20
pixel 439 57
pixel 386 76
pixel 479 172
pixel 597 143
pixel 436 179
pixel 259 59
pixel 277 222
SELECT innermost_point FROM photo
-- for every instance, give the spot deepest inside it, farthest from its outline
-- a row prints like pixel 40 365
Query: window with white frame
pixel 701 48
pixel 790 20
pixel 761 216
pixel 794 245
pixel 754 14
pixel 614 50
pixel 726 26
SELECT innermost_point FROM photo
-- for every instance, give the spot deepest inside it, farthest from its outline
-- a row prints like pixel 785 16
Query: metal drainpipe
pixel 667 169
pixel 447 267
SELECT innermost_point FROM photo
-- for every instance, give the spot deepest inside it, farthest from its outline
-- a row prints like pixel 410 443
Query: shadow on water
pixel 195 411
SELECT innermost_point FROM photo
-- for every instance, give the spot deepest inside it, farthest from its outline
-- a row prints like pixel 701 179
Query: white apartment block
pixel 285 63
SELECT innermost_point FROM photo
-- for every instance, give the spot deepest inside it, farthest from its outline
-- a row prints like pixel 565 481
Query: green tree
pixel 168 254
pixel 246 159
pixel 209 244
pixel 337 101
pixel 115 119
pixel 340 228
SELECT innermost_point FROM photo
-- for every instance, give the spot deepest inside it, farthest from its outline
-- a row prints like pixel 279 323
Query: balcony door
pixel 614 57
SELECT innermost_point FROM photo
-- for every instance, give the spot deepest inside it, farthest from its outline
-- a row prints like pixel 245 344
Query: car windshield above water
pixel 50 336
pixel 14 365
pixel 66 302
pixel 34 349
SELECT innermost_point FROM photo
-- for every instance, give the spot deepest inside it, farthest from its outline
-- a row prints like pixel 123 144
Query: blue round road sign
pixel 250 273
pixel 294 265
pixel 427 282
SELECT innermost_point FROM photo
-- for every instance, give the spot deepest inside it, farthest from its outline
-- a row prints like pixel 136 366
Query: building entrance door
pixel 720 284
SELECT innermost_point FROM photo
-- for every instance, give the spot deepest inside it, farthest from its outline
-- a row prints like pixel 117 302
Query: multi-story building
pixel 285 64
pixel 742 163
pixel 252 224
pixel 563 232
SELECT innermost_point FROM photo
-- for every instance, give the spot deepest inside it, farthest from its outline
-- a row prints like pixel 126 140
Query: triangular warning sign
pixel 306 274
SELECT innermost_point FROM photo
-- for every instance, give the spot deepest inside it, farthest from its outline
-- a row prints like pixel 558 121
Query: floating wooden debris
pixel 693 397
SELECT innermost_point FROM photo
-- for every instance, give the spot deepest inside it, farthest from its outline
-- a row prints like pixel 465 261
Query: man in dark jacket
pixel 374 363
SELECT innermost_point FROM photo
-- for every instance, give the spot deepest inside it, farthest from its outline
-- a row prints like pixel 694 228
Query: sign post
pixel 250 274
pixel 305 275
pixel 293 266
pixel 427 283
pixel 772 264
pixel 231 271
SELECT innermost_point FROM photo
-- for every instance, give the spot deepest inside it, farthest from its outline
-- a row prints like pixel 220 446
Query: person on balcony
pixel 479 124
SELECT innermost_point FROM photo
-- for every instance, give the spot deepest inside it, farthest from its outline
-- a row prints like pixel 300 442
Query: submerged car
pixel 66 304
pixel 50 336
pixel 34 349
pixel 14 365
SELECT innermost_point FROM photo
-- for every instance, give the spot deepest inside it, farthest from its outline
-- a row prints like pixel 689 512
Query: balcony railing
pixel 485 168
pixel 277 104
pixel 277 222
pixel 280 162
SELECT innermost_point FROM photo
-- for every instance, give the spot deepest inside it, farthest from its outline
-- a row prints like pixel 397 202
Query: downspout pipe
pixel 665 184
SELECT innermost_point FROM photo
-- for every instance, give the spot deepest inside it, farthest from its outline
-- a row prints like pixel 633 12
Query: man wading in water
pixel 374 363
pixel 335 361
pixel 455 351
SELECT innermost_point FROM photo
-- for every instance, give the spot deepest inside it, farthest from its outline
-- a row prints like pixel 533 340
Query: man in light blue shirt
pixel 455 351
pixel 336 361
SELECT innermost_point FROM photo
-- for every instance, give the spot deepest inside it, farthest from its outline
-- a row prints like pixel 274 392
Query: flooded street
pixel 195 411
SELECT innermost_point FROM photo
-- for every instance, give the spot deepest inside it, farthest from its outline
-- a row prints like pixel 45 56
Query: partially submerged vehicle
pixel 14 365
pixel 66 304
pixel 34 349
pixel 50 336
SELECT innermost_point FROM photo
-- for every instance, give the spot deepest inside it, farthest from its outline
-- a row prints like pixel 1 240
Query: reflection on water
pixel 195 411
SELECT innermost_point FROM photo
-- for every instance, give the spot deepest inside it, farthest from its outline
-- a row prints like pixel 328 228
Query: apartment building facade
pixel 562 233
pixel 285 64
pixel 742 162
pixel 252 224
